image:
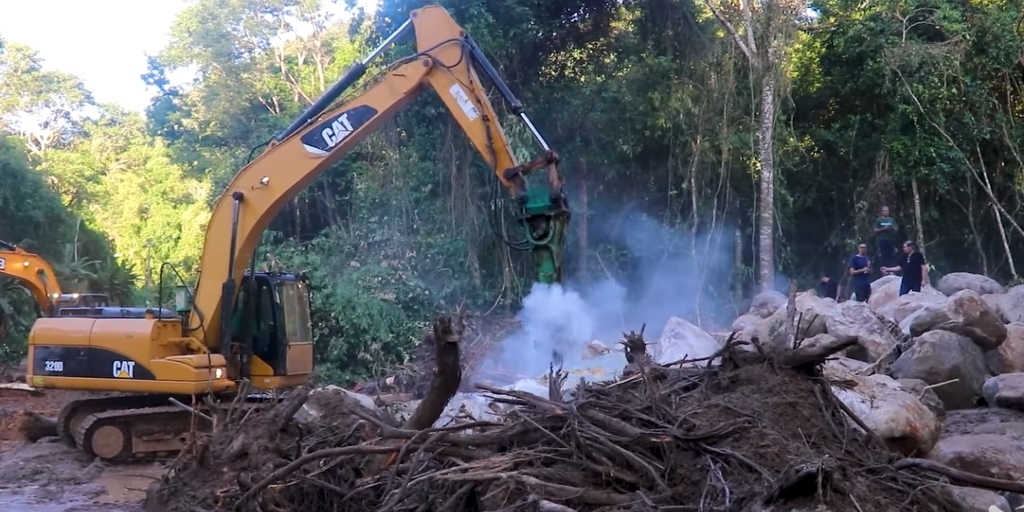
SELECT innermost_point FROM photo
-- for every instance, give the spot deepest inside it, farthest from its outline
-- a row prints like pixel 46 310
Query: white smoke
pixel 667 279
pixel 552 319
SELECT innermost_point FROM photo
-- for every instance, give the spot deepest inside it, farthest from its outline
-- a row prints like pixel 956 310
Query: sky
pixel 103 42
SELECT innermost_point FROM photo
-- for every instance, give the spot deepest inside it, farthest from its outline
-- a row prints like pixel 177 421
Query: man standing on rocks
pixel 860 274
pixel 885 236
pixel 913 269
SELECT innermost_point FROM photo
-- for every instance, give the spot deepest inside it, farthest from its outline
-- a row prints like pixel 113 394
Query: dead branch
pixel 972 479
pixel 758 430
pixel 815 354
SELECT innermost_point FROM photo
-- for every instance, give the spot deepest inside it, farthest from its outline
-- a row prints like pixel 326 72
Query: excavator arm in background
pixel 242 325
pixel 34 272
pixel 317 139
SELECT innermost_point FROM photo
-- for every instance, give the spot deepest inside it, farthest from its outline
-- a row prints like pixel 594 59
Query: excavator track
pixel 132 427
pixel 133 434
pixel 72 414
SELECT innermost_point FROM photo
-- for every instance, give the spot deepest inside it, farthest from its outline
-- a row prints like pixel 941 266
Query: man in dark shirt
pixel 885 236
pixel 860 274
pixel 912 268
pixel 827 287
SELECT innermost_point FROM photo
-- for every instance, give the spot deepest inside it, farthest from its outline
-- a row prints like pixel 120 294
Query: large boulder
pixel 1008 357
pixel 813 313
pixel 875 336
pixel 951 284
pixel 746 326
pixel 905 424
pixel 774 332
pixel 992 455
pixel 905 305
pixel 964 313
pixel 682 340
pixel 816 316
pixel 765 304
pixel 949 359
pixel 886 289
pixel 1010 305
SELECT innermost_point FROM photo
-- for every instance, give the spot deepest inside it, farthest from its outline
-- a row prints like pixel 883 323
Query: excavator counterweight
pixel 238 325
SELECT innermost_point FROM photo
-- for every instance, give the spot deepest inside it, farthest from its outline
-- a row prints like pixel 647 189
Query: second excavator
pixel 241 325
pixel 37 275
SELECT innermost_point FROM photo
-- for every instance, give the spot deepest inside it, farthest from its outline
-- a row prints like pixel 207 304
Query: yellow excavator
pixel 37 275
pixel 241 325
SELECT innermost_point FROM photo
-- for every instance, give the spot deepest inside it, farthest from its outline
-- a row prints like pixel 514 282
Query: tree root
pixel 759 431
pixel 971 479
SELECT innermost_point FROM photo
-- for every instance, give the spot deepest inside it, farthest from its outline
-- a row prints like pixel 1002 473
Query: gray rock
pixel 959 281
pixel 765 304
pixel 1008 357
pixel 978 500
pixel 938 357
pixel 1006 390
pixel 926 395
pixel 964 313
pixel 986 420
pixel 992 455
pixel 1010 305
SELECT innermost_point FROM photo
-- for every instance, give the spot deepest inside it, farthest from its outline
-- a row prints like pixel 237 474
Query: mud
pixel 50 476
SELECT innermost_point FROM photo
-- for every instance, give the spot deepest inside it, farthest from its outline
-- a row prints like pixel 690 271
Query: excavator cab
pixel 271 321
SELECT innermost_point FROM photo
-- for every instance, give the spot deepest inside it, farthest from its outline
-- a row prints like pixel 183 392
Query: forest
pixel 711 149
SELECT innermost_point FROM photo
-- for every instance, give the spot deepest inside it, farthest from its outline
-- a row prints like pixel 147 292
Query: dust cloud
pixel 662 273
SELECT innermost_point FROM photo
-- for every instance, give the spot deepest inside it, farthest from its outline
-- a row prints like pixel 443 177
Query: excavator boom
pixel 34 272
pixel 37 275
pixel 242 325
pixel 318 139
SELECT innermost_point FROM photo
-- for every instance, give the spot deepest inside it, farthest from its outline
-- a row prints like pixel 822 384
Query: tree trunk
pixel 583 247
pixel 766 228
pixel 917 217
pixel 1006 244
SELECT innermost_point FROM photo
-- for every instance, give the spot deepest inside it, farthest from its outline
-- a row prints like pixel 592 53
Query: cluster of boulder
pixel 937 374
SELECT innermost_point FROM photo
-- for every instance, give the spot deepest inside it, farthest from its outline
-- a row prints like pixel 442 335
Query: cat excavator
pixel 237 325
pixel 37 275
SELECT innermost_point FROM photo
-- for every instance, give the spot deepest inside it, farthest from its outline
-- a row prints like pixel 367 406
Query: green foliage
pixel 368 314
pixel 31 215
pixel 44 106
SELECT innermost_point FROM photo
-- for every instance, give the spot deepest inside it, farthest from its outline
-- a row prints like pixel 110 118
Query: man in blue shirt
pixel 860 274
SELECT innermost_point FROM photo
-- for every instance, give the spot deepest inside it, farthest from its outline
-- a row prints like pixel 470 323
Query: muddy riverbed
pixel 49 476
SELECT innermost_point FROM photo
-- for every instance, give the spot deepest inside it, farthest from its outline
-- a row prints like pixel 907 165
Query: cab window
pixel 295 306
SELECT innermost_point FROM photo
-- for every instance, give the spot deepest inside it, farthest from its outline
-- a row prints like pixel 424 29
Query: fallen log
pixel 34 427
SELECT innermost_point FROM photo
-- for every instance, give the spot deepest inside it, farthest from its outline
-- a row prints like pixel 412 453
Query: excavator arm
pixel 255 326
pixel 444 62
pixel 34 272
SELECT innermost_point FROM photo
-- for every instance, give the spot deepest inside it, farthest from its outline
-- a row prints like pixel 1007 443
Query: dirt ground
pixel 49 476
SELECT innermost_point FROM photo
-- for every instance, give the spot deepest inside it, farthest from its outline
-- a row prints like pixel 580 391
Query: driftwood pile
pixel 754 432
